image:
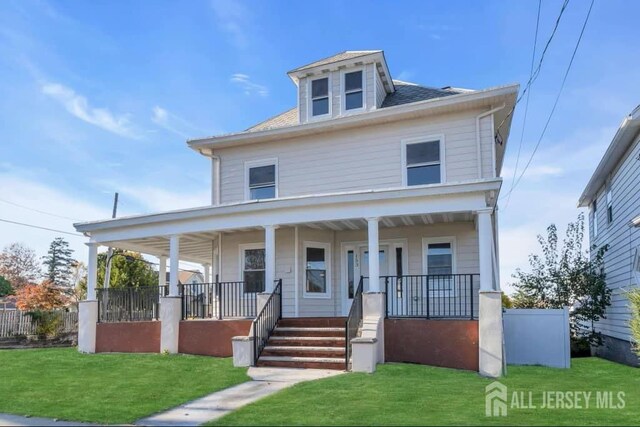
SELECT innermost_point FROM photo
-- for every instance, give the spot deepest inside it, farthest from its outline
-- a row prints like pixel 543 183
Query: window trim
pixel 310 80
pixel 343 92
pixel 258 163
pixel 241 249
pixel 417 140
pixel 327 255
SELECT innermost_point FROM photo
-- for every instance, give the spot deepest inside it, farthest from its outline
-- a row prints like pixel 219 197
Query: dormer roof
pixel 346 59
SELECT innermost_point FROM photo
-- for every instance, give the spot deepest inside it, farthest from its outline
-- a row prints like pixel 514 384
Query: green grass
pixel 106 388
pixel 402 394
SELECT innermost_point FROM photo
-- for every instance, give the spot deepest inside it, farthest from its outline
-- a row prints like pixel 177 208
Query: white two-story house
pixel 364 215
pixel 613 198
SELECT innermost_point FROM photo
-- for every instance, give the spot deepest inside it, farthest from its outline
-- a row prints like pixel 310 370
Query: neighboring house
pixel 366 177
pixel 186 277
pixel 613 198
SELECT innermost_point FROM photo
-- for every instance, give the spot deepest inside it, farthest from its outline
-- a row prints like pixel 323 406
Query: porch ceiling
pixel 199 247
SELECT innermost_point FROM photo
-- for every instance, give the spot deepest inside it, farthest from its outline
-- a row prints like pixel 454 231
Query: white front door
pixel 356 262
pixel 383 259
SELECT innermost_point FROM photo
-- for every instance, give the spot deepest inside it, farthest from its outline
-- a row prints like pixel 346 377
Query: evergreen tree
pixel 59 263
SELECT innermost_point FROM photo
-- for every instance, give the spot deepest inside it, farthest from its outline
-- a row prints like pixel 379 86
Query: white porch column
pixel 207 273
pixel 374 257
pixel 269 257
pixel 88 309
pixel 162 271
pixel 485 248
pixel 174 264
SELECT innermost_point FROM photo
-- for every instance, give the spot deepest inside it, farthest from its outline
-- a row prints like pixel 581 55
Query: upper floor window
pixel 261 178
pixel 320 97
pixel 609 206
pixel 423 162
pixel 594 218
pixel 353 90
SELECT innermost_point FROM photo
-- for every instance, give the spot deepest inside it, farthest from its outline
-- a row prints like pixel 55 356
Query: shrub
pixel 47 323
pixel 634 323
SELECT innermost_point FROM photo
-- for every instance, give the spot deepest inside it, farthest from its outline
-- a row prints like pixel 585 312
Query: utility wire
pixel 526 107
pixel 555 104
pixel 536 73
pixel 41 228
pixel 38 210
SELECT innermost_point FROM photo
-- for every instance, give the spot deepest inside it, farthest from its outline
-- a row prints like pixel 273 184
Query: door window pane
pixel 316 271
pixel 350 274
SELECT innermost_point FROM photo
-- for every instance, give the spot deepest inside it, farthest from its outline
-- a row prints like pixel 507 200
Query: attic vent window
pixel 353 90
pixel 320 97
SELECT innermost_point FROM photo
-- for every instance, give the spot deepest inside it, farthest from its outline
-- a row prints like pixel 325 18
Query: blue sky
pixel 100 96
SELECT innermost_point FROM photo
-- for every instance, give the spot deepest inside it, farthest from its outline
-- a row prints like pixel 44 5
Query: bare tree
pixel 19 265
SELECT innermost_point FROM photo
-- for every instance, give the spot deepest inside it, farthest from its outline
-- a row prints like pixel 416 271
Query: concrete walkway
pixel 17 420
pixel 265 381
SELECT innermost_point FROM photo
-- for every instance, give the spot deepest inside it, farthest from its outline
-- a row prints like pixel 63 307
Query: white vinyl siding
pixel 358 159
pixel 622 240
pixel 487 146
pixel 380 93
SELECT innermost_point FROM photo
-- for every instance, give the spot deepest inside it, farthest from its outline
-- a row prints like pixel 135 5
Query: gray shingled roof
pixel 347 54
pixel 406 93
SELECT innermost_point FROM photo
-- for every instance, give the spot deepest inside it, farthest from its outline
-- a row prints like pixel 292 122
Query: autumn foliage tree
pixel 19 265
pixel 43 297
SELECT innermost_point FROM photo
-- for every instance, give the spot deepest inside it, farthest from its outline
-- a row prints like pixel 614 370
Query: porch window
pixel 423 162
pixel 320 97
pixel 439 259
pixel 253 270
pixel 317 273
pixel 261 178
pixel 353 94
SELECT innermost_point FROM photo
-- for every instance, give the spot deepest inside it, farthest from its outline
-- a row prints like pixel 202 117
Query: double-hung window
pixel 320 97
pixel 261 179
pixel 353 90
pixel 317 269
pixel 253 269
pixel 423 162
pixel 439 260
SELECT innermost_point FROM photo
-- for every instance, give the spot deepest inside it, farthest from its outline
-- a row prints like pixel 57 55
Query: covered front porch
pixel 423 254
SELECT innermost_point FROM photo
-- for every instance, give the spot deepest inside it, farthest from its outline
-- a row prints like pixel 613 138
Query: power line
pixel 537 71
pixel 38 210
pixel 555 104
pixel 41 228
pixel 526 107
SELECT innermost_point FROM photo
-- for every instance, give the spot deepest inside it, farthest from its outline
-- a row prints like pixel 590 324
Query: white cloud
pixel 173 123
pixel 78 106
pixel 247 86
pixel 233 18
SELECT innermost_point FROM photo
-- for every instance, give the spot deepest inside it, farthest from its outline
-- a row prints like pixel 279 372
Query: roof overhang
pixel 624 137
pixel 486 98
pixel 457 197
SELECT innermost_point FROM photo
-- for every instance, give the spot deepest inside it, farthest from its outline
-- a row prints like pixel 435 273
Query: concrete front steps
pixel 316 342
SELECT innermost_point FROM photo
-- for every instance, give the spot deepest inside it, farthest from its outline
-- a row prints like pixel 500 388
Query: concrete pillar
pixel 170 316
pixel 162 271
pixel 87 321
pixel 364 354
pixel 269 257
pixel 174 264
pixel 207 273
pixel 374 257
pixel 485 248
pixel 92 271
pixel 490 334
pixel 243 350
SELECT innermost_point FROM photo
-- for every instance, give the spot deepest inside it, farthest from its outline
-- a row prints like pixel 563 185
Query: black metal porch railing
pixel 354 322
pixel 220 300
pixel 437 296
pixel 130 304
pixel 266 321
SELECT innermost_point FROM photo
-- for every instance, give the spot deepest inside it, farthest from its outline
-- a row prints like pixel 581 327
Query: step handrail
pixel 353 322
pixel 266 321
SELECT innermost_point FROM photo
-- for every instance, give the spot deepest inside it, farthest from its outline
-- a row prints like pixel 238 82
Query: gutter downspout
pixel 215 176
pixel 479 151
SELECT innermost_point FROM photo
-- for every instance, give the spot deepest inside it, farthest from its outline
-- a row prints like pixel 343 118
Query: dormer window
pixel 320 97
pixel 353 95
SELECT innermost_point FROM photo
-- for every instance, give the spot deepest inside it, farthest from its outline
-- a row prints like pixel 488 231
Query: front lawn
pixel 106 388
pixel 402 394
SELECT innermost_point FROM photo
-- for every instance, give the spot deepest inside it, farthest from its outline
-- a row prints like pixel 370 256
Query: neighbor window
pixel 261 181
pixel 609 206
pixel 594 218
pixel 253 269
pixel 423 163
pixel 353 94
pixel 316 270
pixel 320 97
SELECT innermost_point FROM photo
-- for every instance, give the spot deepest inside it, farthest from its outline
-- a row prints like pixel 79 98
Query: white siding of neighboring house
pixel 466 256
pixel 357 159
pixel 622 240
pixel 302 99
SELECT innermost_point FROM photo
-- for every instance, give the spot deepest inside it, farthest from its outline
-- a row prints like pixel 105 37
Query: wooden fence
pixel 14 322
